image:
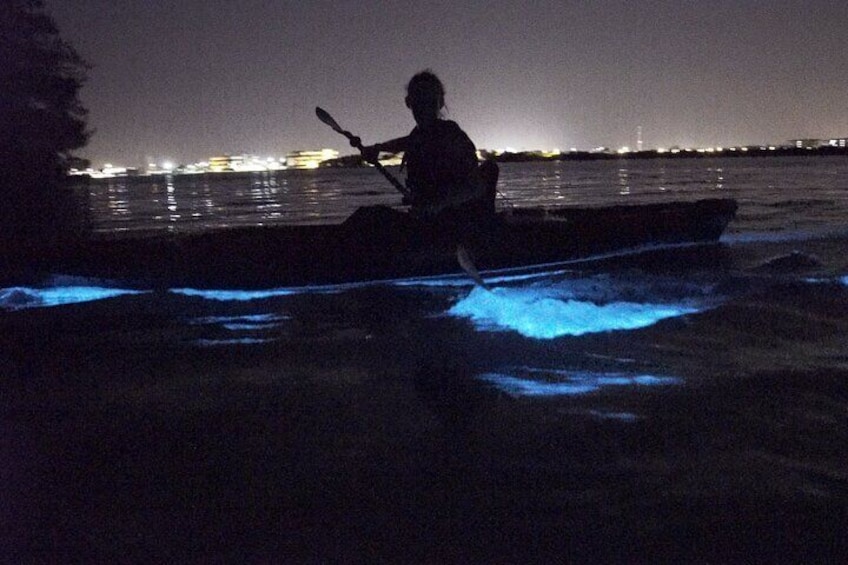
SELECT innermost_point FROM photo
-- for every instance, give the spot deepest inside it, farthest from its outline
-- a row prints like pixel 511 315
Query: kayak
pixel 378 243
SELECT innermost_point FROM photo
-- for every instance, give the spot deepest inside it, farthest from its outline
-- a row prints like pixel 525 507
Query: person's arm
pixel 371 152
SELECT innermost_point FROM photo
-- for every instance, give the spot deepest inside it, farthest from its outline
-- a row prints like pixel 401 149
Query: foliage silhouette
pixel 41 122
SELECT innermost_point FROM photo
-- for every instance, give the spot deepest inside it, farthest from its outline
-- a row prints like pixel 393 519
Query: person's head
pixel 425 96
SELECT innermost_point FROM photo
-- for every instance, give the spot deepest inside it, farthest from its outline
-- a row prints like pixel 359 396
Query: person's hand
pixel 429 211
pixel 370 153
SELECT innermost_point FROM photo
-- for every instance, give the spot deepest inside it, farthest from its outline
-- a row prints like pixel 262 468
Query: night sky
pixel 185 80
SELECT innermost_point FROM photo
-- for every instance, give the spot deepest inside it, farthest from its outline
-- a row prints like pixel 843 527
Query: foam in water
pixel 620 416
pixel 824 280
pixel 247 322
pixel 540 314
pixel 251 324
pixel 18 298
pixel 526 381
pixel 233 295
pixel 233 341
pixel 236 295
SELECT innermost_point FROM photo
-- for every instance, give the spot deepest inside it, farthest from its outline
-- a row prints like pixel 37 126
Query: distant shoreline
pixel 771 151
pixel 355 161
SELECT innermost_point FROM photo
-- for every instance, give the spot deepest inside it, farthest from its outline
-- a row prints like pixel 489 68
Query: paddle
pixel 356 142
pixel 469 267
pixel 462 254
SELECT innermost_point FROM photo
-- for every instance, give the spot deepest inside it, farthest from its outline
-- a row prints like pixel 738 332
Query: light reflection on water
pixel 202 202
pixel 764 187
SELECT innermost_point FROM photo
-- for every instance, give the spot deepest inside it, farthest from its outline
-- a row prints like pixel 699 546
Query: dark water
pixel 776 194
pixel 679 404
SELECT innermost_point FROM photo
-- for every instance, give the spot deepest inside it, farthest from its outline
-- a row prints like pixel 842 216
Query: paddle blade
pixel 327 118
pixel 467 264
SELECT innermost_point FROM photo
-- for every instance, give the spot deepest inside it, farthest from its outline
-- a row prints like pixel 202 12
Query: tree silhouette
pixel 41 120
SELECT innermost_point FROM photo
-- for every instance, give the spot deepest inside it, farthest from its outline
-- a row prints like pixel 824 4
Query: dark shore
pixel 369 440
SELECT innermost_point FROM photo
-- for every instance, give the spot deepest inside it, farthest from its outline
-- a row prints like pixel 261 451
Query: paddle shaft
pixel 462 254
pixel 357 143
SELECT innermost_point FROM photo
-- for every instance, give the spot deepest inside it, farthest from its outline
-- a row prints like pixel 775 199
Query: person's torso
pixel 439 159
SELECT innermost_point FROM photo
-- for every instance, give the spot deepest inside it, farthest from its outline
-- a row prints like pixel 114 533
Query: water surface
pixel 687 403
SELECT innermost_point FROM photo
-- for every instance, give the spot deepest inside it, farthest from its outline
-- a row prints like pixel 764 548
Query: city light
pixel 315 158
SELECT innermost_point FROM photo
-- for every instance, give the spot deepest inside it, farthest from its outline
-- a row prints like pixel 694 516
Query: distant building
pixel 805 143
pixel 817 143
pixel 107 172
pixel 240 163
pixel 226 163
pixel 838 142
pixel 309 159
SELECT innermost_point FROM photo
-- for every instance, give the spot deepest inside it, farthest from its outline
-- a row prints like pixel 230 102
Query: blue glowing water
pixel 152 399
pixel 240 323
pixel 620 416
pixel 231 341
pixel 526 381
pixel 233 295
pixel 539 313
pixel 546 304
pixel 17 298
pixel 245 320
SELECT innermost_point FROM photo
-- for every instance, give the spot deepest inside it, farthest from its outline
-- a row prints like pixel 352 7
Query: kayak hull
pixel 382 243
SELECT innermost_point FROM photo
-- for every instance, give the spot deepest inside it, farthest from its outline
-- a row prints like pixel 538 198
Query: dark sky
pixel 183 80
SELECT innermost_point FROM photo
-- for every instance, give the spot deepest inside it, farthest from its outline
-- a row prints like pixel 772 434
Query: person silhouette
pixel 443 176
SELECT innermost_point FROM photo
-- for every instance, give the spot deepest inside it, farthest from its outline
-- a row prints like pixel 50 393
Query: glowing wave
pixel 567 383
pixel 821 280
pixel 531 272
pixel 781 237
pixel 234 341
pixel 18 298
pixel 247 322
pixel 541 314
pixel 233 295
pixel 621 416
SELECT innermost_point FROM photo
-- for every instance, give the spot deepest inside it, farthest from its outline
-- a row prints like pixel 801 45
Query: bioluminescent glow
pixel 783 236
pixel 234 341
pixel 18 298
pixel 501 276
pixel 539 314
pixel 234 295
pixel 248 327
pixel 629 417
pixel 532 272
pixel 824 280
pixel 247 322
pixel 566 383
pixel 621 416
